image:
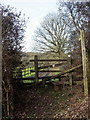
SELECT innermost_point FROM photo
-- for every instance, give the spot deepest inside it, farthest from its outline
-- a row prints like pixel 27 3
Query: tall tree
pixel 53 35
pixel 12 38
pixel 79 12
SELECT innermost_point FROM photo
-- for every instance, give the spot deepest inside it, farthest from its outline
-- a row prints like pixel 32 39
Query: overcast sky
pixel 36 10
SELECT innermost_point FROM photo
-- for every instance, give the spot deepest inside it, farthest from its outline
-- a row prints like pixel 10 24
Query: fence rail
pixel 47 70
pixel 49 60
pixel 50 66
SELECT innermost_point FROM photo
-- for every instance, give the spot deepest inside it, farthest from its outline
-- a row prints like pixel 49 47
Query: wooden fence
pixel 38 69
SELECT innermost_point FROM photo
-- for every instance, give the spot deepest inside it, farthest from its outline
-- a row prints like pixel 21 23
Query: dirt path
pixel 39 102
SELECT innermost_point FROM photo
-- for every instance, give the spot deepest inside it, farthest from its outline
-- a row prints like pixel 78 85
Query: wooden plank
pixel 49 60
pixel 67 71
pixel 55 65
pixel 50 71
pixel 88 72
pixel 47 71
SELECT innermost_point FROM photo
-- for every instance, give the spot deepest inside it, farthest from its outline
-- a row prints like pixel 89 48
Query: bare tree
pixel 53 35
pixel 80 16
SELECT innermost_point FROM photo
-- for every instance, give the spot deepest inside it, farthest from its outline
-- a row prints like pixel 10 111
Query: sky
pixel 36 10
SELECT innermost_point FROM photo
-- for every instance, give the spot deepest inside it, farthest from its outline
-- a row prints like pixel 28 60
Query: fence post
pixel 84 62
pixel 88 77
pixel 36 68
pixel 70 74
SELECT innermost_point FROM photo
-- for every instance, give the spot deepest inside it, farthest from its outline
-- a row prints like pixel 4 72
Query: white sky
pixel 36 10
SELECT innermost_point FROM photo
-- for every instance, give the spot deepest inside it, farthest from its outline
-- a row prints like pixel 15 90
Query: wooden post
pixel 88 69
pixel 84 62
pixel 36 68
pixel 88 78
pixel 70 75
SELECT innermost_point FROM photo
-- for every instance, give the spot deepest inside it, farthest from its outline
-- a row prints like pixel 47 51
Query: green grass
pixel 55 80
pixel 56 73
pixel 26 73
pixel 40 80
pixel 28 81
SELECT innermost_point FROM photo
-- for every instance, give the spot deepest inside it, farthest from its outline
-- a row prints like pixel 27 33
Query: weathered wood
pixel 42 67
pixel 67 71
pixel 36 68
pixel 88 78
pixel 49 60
pixel 84 62
pixel 47 71
pixel 70 75
pixel 50 71
pixel 88 68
